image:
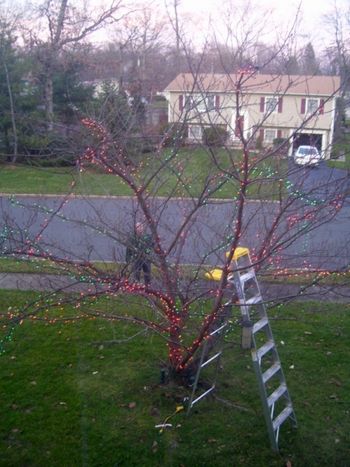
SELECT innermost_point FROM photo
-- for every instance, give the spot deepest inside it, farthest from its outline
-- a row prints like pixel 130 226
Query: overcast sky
pixel 198 12
pixel 312 13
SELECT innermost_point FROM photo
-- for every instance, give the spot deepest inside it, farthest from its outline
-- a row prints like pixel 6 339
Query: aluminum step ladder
pixel 257 333
pixel 205 359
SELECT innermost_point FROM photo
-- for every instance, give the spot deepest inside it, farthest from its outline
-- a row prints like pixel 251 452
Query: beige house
pixel 300 109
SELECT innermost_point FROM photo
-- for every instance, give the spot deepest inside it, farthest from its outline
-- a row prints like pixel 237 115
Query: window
pixel 269 135
pixel 311 106
pixel 190 102
pixel 201 103
pixel 210 102
pixel 271 104
pixel 195 133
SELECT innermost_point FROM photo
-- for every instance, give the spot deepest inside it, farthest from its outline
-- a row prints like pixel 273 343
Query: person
pixel 138 253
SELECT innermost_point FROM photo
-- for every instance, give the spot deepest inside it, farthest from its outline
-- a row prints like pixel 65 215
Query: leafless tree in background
pixel 59 25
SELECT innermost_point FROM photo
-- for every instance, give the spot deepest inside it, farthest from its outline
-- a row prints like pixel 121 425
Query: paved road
pixel 319 181
pixel 96 228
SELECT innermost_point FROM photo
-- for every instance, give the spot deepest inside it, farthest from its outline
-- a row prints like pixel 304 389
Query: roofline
pixel 295 80
pixel 214 91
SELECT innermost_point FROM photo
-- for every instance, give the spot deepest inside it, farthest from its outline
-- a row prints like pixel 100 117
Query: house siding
pixel 291 116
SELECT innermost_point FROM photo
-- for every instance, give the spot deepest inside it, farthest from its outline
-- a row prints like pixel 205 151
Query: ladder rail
pixel 243 278
pixel 203 362
pixel 266 361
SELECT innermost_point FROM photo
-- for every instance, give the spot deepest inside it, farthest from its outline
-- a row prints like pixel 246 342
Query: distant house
pixel 300 109
pixel 98 84
pixel 347 106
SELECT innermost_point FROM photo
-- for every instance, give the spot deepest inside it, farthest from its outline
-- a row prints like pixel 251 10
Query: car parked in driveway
pixel 307 156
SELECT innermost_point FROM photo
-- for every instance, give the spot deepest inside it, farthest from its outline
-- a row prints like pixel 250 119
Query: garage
pixel 308 139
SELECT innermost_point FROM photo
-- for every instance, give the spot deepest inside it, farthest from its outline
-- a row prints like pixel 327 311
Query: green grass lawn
pixel 341 147
pixel 337 164
pixel 70 397
pixel 48 180
pixel 184 177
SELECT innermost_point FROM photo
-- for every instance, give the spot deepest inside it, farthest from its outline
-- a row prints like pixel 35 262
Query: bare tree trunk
pixel 177 33
pixel 59 38
pixel 51 58
pixel 60 22
pixel 49 100
pixel 13 116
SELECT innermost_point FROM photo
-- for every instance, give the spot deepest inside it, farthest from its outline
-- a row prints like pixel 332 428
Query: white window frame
pixel 316 104
pixel 273 132
pixel 199 102
pixel 210 101
pixel 190 102
pixel 271 104
pixel 196 135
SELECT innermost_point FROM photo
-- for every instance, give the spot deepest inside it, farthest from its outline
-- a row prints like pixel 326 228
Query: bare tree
pixel 173 13
pixel 338 24
pixel 8 62
pixel 337 57
pixel 140 39
pixel 270 203
pixel 61 25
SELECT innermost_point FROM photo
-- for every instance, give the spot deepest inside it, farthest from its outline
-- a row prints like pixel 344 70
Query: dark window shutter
pixel 262 104
pixel 181 102
pixel 279 133
pixel 280 105
pixel 217 102
pixel 321 106
pixel 303 106
pixel 261 134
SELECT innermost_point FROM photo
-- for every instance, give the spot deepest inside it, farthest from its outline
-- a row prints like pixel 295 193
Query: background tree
pixel 70 95
pixel 338 25
pixel 310 65
pixel 114 109
pixel 63 26
pixel 10 79
pixel 337 61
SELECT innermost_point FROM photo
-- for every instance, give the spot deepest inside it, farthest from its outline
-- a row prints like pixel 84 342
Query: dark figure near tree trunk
pixel 138 253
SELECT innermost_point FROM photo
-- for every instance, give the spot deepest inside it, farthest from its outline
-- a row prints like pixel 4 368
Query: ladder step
pixel 270 372
pixel 260 324
pixel 214 357
pixel 282 417
pixel 247 276
pixel 202 395
pixel 264 349
pixel 218 329
pixel 253 300
pixel 276 394
pixel 231 278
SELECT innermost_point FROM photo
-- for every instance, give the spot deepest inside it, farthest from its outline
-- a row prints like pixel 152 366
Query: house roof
pixel 256 84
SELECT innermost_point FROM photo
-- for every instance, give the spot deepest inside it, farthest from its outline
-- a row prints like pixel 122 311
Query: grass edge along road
pixel 89 386
pixel 26 265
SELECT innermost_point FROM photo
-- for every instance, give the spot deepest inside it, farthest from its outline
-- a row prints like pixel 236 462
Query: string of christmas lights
pixel 174 310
